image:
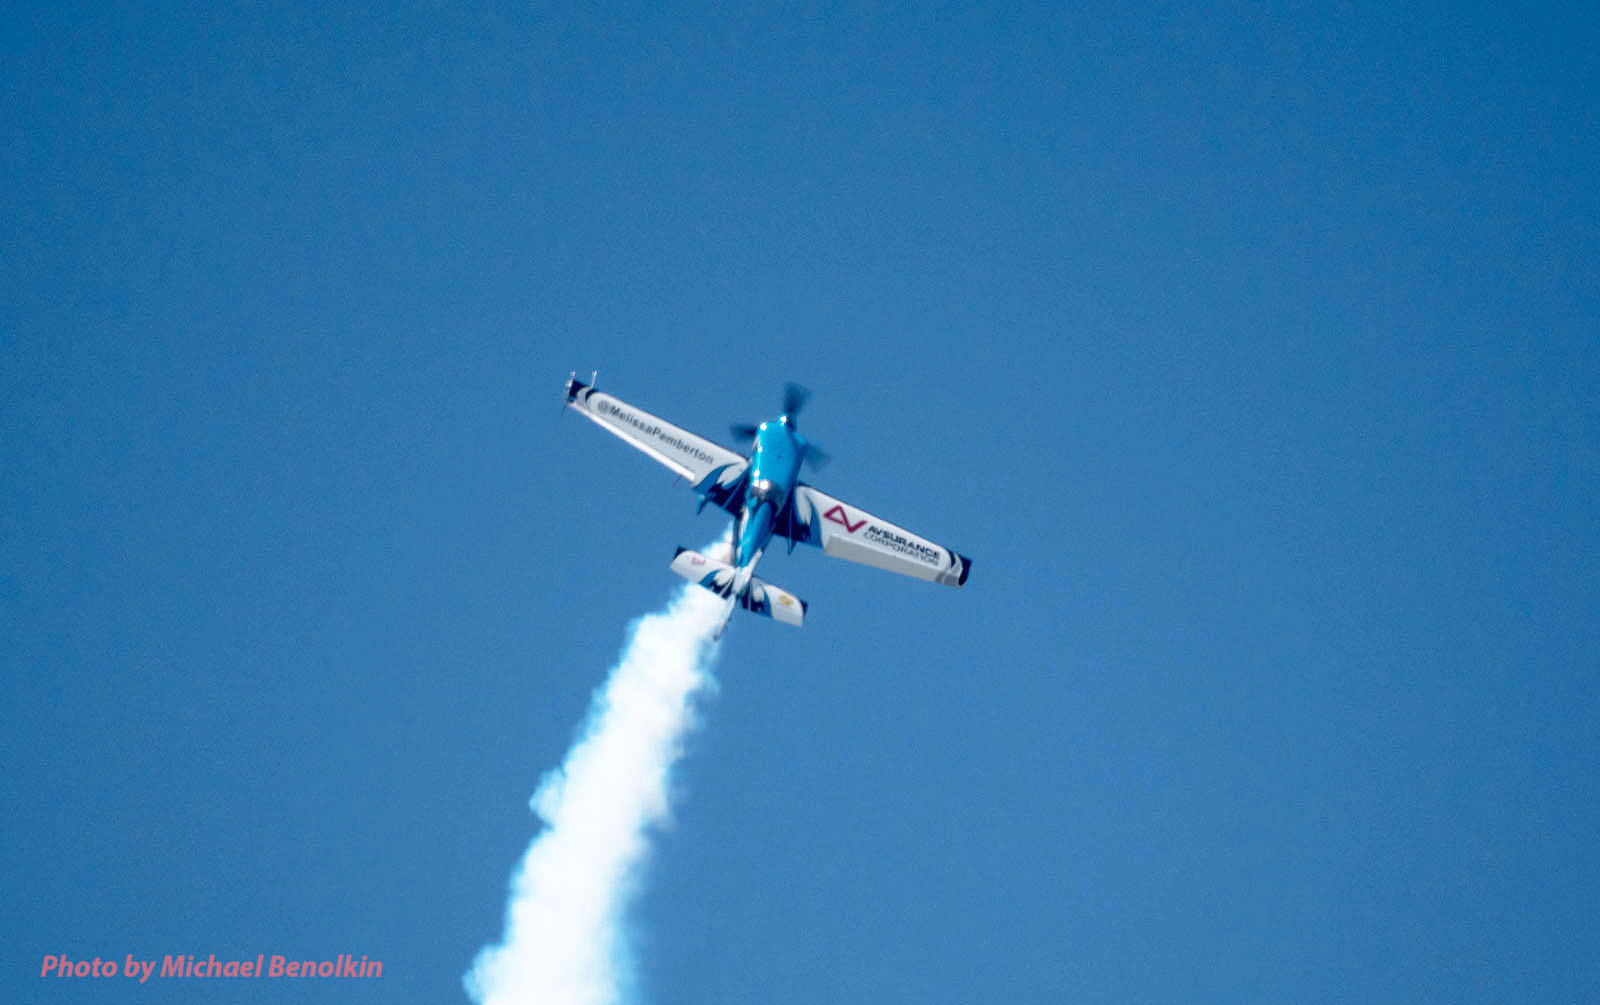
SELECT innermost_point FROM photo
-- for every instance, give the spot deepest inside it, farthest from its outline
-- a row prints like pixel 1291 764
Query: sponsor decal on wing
pixel 902 545
pixel 840 517
pixel 611 408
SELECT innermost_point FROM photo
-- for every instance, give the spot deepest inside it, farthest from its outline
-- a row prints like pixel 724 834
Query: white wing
pixel 847 532
pixel 715 470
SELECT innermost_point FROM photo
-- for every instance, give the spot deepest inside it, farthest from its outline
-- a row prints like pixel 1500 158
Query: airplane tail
pixel 759 597
pixel 722 622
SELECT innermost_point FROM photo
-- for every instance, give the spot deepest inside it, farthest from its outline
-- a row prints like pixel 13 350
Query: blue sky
pixel 1251 352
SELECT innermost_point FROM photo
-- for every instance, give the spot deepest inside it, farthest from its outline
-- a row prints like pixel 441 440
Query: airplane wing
pixel 847 532
pixel 715 471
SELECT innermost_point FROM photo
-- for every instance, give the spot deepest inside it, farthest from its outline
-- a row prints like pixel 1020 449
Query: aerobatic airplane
pixel 763 491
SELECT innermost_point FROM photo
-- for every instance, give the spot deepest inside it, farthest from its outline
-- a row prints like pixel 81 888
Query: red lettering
pixel 840 517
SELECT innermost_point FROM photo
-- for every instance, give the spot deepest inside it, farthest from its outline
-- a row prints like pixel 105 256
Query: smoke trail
pixel 564 942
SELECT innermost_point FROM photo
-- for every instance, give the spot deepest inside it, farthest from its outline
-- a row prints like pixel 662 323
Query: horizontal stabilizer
pixel 759 597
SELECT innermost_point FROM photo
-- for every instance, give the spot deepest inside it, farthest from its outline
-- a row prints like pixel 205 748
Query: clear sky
pixel 1250 350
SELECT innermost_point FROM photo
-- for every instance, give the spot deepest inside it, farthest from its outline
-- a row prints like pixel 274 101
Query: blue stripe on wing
pixel 724 486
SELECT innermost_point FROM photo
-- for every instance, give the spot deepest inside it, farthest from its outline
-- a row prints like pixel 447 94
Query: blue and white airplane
pixel 764 493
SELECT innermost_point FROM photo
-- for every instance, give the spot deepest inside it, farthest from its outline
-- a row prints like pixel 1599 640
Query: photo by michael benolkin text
pixel 344 966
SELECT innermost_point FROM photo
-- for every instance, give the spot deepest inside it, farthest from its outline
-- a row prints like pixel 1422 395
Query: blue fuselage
pixel 774 471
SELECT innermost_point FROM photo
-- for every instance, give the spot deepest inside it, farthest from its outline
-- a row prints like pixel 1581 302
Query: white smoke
pixel 565 942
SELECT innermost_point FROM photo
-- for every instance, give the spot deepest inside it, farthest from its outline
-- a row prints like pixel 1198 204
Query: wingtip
pixel 575 387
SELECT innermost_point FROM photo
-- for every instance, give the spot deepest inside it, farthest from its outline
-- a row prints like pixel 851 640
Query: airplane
pixel 763 492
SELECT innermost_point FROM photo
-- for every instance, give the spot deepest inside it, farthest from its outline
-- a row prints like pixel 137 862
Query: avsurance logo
pixel 837 515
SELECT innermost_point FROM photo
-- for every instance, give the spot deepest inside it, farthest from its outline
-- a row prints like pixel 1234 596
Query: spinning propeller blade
pixel 794 399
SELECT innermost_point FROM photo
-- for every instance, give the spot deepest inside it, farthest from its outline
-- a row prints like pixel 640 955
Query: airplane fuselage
pixel 774 471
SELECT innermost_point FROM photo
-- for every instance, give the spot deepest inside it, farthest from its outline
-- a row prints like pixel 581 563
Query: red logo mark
pixel 696 560
pixel 837 515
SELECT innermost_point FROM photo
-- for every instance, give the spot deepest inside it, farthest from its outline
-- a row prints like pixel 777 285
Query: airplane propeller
pixel 795 397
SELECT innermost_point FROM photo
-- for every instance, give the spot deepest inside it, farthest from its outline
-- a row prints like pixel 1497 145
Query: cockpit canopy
pixel 766 490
